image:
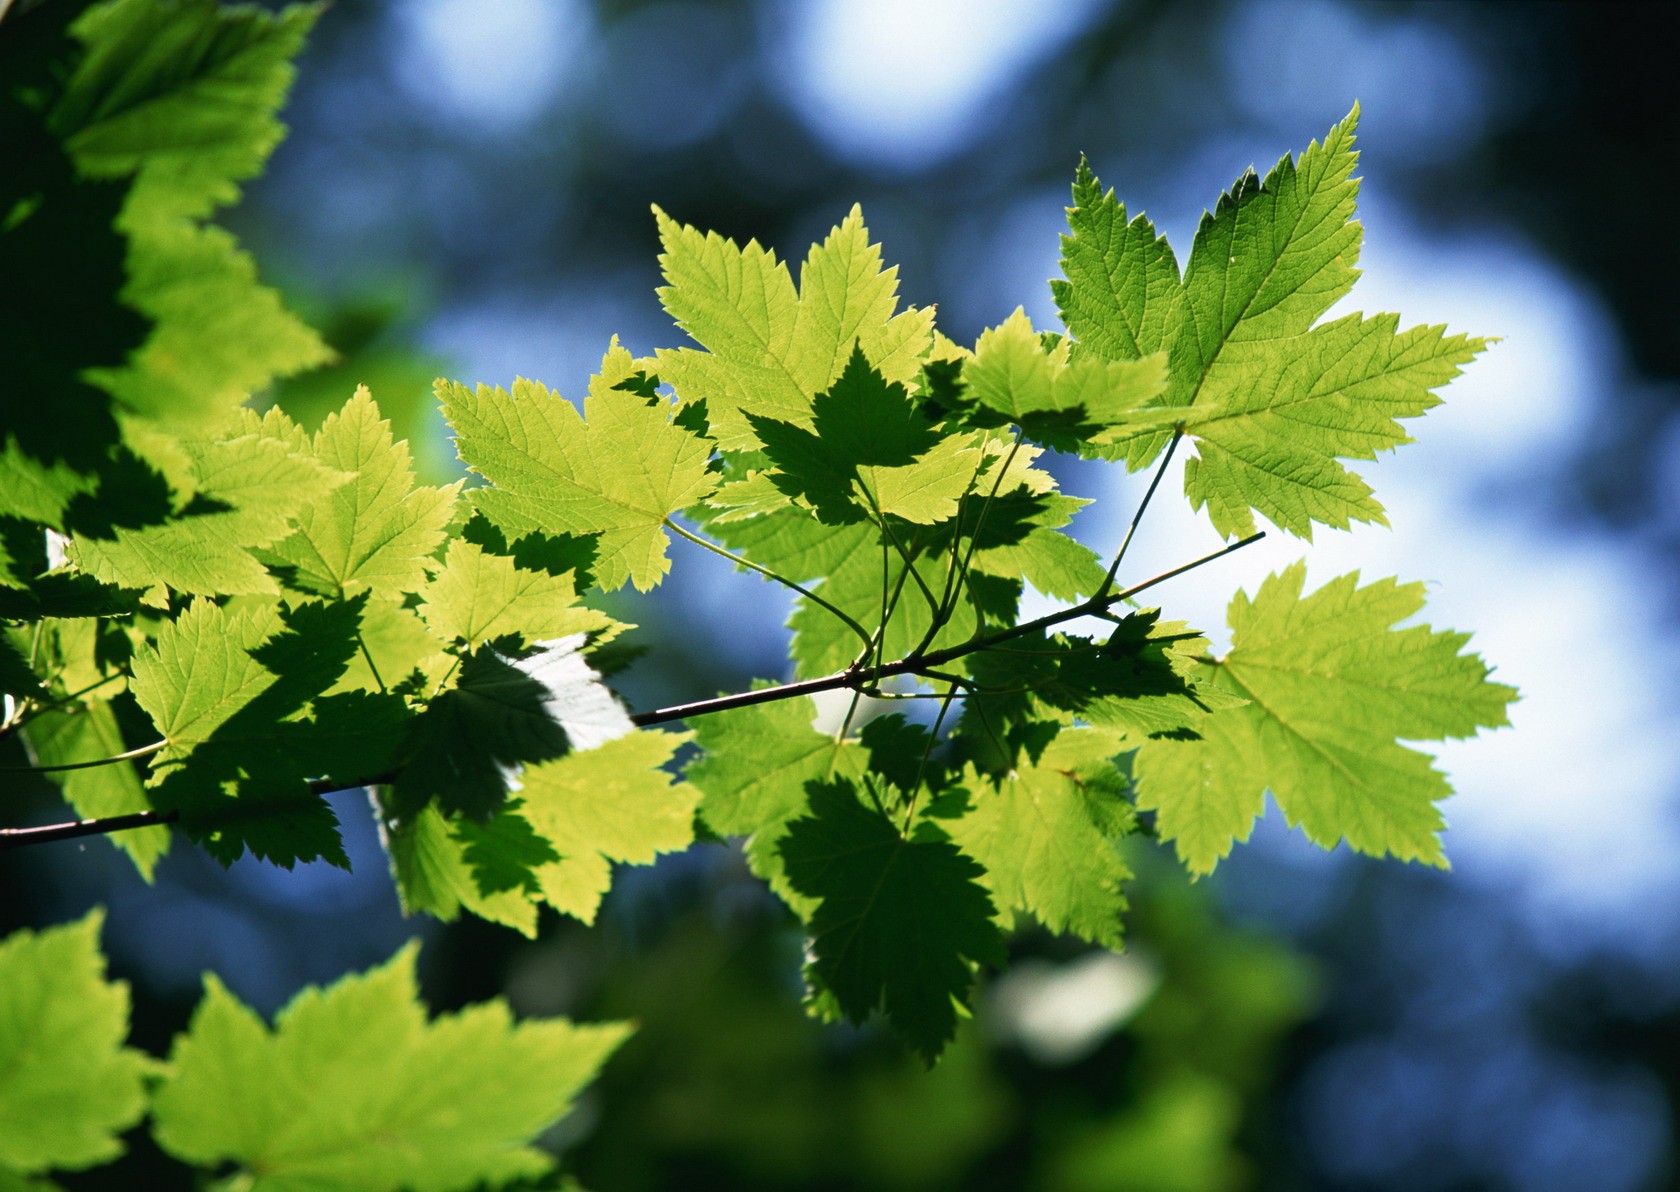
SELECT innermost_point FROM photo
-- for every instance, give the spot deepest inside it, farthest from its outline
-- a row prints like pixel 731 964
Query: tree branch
pixel 48 833
pixel 853 677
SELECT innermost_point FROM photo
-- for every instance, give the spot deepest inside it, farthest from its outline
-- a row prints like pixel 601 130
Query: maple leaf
pixel 1277 421
pixel 771 349
pixel 606 801
pixel 1140 681
pixel 396 652
pixel 428 855
pixel 899 923
pixel 354 1089
pixel 68 1086
pixel 752 774
pixel 479 596
pixel 1042 833
pixel 184 101
pixel 1271 401
pixel 374 533
pixel 240 700
pixel 249 489
pixel 1069 405
pixel 617 471
pixel 869 452
pixel 611 803
pixel 183 96
pixel 1332 688
pixel 503 712
pixel 218 334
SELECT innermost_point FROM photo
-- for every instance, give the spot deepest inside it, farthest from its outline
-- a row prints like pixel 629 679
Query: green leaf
pixel 502 713
pixel 64 735
pixel 434 877
pixel 1140 681
pixel 1072 406
pixel 619 470
pixel 1272 402
pixel 375 532
pixel 199 670
pixel 612 803
pixel 822 644
pixel 1039 833
pixel 68 1086
pixel 229 692
pixel 770 350
pixel 1277 420
pixel 479 596
pixel 58 240
pixel 504 851
pixel 397 652
pixel 219 334
pixel 17 677
pixel 1268 261
pixel 184 95
pixel 1049 560
pixel 1331 688
pixel 65 593
pixel 250 488
pixel 929 489
pixel 869 451
pixel 1120 295
pixel 753 772
pixel 899 923
pixel 353 1089
pixel 574 818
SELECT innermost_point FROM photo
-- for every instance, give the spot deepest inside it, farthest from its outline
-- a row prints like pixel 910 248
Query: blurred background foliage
pixel 466 191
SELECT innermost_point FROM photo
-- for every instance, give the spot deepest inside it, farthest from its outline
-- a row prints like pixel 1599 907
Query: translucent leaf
pixel 376 531
pixel 1275 422
pixel 185 95
pixel 1040 832
pixel 617 471
pixel 68 1086
pixel 240 700
pixel 1069 405
pixel 770 350
pixel 478 596
pixel 250 488
pixel 1332 687
pixel 502 713
pixel 1271 402
pixel 1120 293
pixel 613 803
pixel 354 1089
pixel 869 451
pixel 78 734
pixel 753 773
pixel 219 334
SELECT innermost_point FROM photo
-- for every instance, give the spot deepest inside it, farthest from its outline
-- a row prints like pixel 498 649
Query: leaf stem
pixel 131 755
pixel 910 565
pixel 771 575
pixel 956 576
pixel 915 662
pixel 927 752
pixel 1154 483
pixel 368 654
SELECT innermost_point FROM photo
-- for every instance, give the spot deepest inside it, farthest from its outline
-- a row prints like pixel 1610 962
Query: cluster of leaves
pixel 268 614
pixel 352 1088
